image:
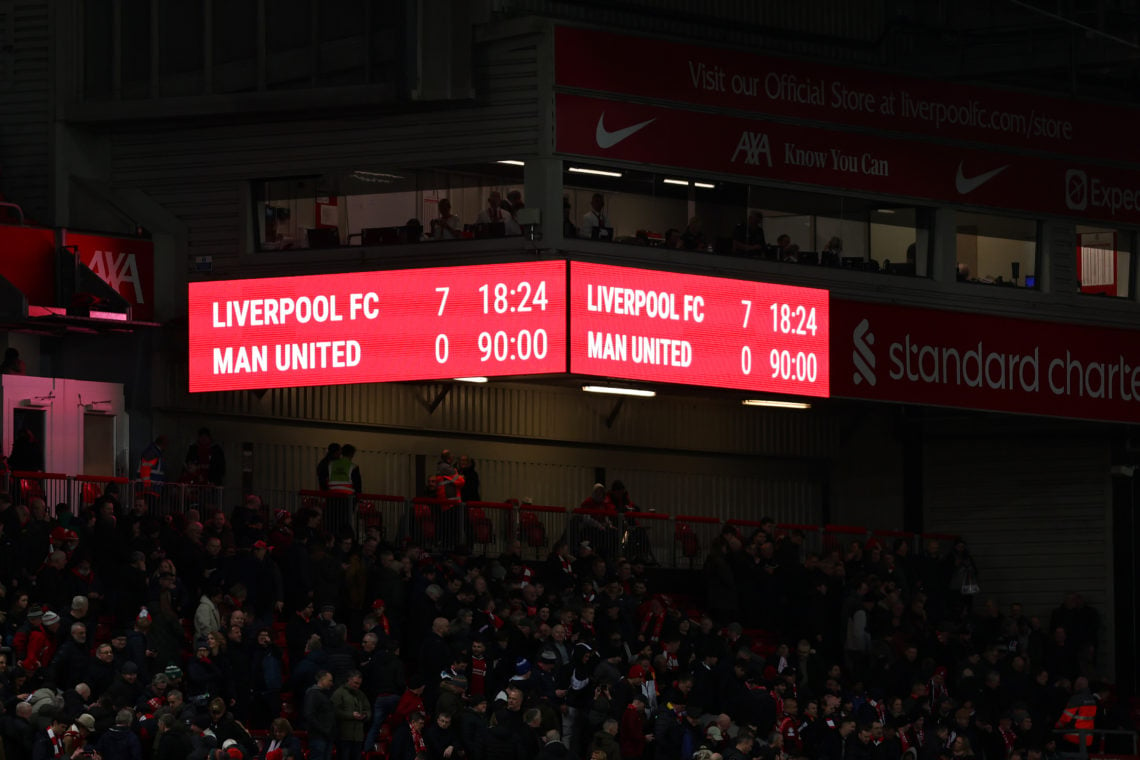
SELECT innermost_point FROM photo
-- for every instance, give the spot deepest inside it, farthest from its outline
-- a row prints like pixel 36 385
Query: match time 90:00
pixel 500 298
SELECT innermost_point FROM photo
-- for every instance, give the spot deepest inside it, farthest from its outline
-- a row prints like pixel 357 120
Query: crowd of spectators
pixel 260 635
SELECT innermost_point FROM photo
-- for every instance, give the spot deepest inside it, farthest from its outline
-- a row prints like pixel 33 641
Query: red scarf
pixel 1008 737
pixel 938 692
pixel 654 635
pixel 566 566
pixel 671 662
pixel 417 740
pixel 384 624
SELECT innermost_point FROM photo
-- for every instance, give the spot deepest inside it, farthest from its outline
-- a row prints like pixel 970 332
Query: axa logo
pixel 117 269
pixel 1076 189
pixel 861 354
pixel 753 146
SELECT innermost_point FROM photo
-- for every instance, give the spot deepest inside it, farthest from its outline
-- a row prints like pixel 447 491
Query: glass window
pixel 997 250
pixel 729 218
pixel 1104 261
pixel 386 206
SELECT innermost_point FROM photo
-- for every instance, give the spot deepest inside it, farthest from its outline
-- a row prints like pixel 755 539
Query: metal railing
pixel 1101 746
pixel 488 528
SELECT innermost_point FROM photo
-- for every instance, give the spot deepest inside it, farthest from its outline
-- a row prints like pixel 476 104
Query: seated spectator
pixel 447 225
pixel 494 213
pixel 693 238
pixel 748 238
pixel 786 250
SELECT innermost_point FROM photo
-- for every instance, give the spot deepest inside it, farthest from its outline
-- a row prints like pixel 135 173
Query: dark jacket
pixel 473 733
pixel 319 713
pixel 607 743
pixel 69 665
pixel 502 744
pixel 438 739
pixel 121 744
pixel 175 744
pixel 18 737
pixel 556 751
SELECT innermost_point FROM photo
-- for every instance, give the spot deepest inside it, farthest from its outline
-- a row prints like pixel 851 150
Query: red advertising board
pixel 364 327
pixel 27 260
pixel 673 72
pixel 607 129
pixel 941 358
pixel 126 264
pixel 640 324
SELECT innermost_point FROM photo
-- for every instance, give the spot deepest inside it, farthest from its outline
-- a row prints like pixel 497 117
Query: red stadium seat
pixel 368 516
pixel 91 492
pixel 482 530
pixel 424 524
pixel 689 541
pixel 533 532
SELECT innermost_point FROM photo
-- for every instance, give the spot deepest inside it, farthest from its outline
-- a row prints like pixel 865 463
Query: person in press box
pixel 595 220
pixel 447 225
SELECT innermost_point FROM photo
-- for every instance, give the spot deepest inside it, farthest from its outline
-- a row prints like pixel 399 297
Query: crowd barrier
pixel 486 528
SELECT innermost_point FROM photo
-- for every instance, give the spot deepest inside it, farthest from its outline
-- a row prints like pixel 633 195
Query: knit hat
pixel 50 618
pixel 637 672
pixel 522 666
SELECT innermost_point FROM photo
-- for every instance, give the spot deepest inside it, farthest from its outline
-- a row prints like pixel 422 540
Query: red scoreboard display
pixel 365 327
pixel 638 324
pixel 498 320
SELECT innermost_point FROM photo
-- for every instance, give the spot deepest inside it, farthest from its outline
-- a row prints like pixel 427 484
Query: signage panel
pixel 362 327
pixel 126 264
pixel 27 260
pixel 674 72
pixel 940 358
pixel 705 142
pixel 652 326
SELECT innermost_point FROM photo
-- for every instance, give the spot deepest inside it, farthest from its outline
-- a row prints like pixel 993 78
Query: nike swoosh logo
pixel 608 139
pixel 966 185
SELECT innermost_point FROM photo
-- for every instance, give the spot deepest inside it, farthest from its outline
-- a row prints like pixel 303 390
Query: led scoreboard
pixel 638 324
pixel 364 327
pixel 498 320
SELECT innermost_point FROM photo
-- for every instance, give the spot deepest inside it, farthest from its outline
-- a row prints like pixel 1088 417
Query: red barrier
pixel 92 487
pixel 52 487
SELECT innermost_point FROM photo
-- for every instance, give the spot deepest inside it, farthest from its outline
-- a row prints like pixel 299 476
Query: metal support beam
pixel 613 415
pixel 432 405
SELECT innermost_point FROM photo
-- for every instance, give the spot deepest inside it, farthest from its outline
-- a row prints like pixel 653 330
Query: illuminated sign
pixel 638 324
pixel 364 327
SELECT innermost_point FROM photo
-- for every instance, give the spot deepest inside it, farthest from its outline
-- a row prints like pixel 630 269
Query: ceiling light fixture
pixel 619 391
pixel 511 162
pixel 470 379
pixel 704 185
pixel 775 404
pixel 683 182
pixel 599 172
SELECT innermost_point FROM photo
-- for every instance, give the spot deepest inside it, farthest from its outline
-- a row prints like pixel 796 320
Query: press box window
pixel 997 250
pixel 1104 261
